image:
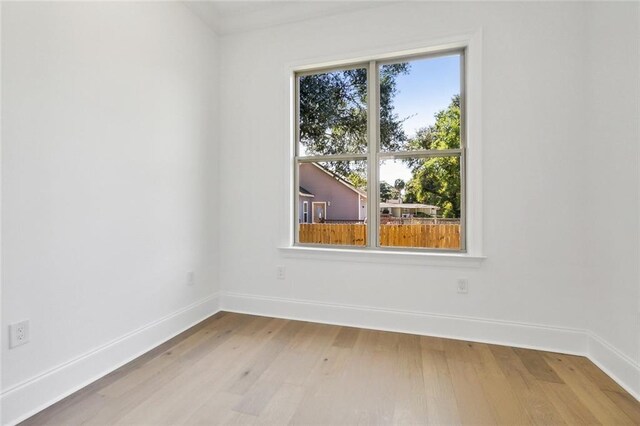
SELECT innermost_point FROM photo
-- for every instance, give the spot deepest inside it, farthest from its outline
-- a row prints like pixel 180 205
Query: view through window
pixel 381 145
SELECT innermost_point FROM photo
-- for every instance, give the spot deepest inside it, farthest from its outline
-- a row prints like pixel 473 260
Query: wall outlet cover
pixel 463 285
pixel 18 333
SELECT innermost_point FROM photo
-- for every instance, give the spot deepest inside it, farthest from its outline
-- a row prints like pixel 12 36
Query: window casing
pixel 374 156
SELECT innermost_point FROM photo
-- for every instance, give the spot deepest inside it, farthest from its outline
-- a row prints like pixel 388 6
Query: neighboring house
pixel 399 209
pixel 328 197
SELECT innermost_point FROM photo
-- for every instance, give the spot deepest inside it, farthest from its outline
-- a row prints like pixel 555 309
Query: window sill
pixel 458 260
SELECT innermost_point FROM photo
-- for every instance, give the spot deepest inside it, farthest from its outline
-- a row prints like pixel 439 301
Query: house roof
pixel 407 206
pixel 305 193
pixel 342 180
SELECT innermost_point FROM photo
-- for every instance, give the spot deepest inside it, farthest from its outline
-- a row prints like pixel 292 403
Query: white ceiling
pixel 227 17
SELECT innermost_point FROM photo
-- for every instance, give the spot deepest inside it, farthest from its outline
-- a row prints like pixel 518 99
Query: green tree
pixel 358 180
pixel 436 180
pixel 386 191
pixel 398 186
pixel 333 114
pixel 444 133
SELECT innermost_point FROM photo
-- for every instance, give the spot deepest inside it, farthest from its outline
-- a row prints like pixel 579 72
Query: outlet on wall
pixel 18 333
pixel 463 285
pixel 280 272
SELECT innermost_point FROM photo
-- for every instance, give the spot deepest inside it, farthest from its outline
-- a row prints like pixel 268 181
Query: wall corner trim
pixel 27 398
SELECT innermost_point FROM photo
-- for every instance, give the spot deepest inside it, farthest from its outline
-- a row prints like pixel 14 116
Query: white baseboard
pixel 618 366
pixel 531 336
pixel 35 394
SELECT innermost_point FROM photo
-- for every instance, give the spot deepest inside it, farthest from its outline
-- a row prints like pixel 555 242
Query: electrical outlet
pixel 280 272
pixel 463 286
pixel 191 278
pixel 18 333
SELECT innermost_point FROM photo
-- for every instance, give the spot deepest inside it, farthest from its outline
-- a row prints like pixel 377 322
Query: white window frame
pixel 305 212
pixel 471 199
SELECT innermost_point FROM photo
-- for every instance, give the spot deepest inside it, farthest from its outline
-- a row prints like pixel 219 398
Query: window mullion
pixel 373 123
pixel 328 158
pixel 398 155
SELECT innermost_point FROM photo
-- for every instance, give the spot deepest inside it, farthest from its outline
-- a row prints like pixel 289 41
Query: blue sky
pixel 425 90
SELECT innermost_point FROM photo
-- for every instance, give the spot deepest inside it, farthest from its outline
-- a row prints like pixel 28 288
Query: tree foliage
pixel 333 114
pixel 387 191
pixel 358 180
pixel 445 132
pixel 436 180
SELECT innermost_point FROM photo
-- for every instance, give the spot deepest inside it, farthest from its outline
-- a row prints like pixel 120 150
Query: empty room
pixel 445 225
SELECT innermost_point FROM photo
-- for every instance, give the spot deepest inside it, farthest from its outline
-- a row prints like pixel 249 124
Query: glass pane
pixel 333 113
pixel 420 104
pixel 420 203
pixel 332 203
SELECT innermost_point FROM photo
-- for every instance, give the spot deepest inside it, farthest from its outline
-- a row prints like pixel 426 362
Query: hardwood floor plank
pixel 626 403
pixel 526 387
pixel 507 409
pixel 537 366
pixel 605 410
pixel 432 343
pixel 411 404
pixel 442 407
pixel 347 337
pixel 252 370
pixel 257 397
pixel 214 410
pixel 292 364
pixel 319 384
pixel 263 360
pixel 283 405
pixel 297 361
pixel 572 410
pixel 473 406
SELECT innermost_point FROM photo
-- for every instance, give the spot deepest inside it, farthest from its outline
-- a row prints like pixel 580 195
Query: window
pixel 305 212
pixel 380 154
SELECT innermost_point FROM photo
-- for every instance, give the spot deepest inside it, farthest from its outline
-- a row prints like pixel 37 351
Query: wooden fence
pixel 352 234
pixel 431 236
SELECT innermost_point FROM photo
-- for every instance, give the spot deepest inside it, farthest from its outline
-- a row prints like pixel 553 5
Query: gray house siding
pixel 343 203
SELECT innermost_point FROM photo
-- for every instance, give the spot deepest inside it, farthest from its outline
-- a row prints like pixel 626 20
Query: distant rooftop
pixel 396 204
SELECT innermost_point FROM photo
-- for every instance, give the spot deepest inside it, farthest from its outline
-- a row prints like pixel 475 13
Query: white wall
pixel 531 91
pixel 538 285
pixel 109 174
pixel 612 120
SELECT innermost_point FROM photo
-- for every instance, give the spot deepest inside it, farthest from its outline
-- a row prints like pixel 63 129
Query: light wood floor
pixel 242 369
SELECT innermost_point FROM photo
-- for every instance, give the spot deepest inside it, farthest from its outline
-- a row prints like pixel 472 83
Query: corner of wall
pixel 624 370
